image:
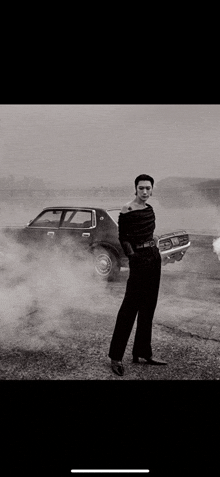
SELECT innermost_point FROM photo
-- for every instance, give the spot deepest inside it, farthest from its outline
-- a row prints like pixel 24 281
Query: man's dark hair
pixel 143 177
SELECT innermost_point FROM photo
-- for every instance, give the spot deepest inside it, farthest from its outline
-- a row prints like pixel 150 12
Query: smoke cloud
pixel 216 247
pixel 44 288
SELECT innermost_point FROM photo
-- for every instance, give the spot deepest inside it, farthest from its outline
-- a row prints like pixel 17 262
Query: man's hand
pixel 132 257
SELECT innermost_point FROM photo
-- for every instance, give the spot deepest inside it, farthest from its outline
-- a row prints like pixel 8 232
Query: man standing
pixel 136 226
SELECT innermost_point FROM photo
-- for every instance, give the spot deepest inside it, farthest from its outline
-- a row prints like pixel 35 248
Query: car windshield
pixel 114 213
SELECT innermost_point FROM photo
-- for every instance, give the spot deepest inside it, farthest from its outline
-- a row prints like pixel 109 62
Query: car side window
pixel 49 219
pixel 77 219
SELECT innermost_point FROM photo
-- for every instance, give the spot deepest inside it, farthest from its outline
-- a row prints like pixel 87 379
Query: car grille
pixel 166 243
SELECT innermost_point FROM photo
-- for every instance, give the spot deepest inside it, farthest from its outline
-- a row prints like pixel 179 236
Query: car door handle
pixel 51 234
pixel 86 234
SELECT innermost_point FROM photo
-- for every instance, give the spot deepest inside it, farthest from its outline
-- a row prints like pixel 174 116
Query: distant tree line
pixel 27 183
pixel 170 192
pixel 12 188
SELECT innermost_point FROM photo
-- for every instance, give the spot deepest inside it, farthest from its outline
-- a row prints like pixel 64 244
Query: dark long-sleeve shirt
pixel 136 227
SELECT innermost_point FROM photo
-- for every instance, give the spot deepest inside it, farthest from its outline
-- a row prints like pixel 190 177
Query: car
pixel 96 230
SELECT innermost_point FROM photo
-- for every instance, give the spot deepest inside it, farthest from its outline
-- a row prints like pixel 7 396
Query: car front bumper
pixel 174 254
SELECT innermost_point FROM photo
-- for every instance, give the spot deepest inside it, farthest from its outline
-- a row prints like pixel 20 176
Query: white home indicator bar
pixel 133 471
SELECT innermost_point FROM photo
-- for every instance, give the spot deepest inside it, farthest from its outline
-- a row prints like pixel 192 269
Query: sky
pixel 108 144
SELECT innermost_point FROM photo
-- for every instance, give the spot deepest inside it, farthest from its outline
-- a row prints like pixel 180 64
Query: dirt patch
pixel 71 342
pixel 83 355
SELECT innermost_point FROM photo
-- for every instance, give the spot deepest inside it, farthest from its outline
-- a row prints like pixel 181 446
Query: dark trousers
pixel 140 300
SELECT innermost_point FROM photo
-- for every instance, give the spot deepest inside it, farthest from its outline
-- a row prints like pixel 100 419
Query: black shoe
pixel 151 361
pixel 117 367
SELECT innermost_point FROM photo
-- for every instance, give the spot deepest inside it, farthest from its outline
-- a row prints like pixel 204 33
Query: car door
pixel 45 226
pixel 77 225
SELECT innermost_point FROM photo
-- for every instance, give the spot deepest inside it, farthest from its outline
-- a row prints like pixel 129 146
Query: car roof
pixel 68 207
pixel 80 207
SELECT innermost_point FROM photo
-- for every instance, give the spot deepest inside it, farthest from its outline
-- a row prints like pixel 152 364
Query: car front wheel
pixel 106 264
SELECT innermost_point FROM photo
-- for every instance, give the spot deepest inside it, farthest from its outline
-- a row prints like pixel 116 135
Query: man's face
pixel 144 190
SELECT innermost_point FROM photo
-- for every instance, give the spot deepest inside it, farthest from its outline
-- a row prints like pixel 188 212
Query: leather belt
pixel 150 243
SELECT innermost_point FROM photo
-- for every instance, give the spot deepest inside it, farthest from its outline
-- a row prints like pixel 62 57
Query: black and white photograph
pixel 110 251
pixel 77 232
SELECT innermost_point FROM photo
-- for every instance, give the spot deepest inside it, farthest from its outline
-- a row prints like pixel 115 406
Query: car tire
pixel 106 264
